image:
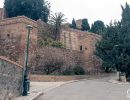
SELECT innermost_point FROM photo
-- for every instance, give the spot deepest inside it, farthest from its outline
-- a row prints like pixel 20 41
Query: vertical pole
pixel 26 79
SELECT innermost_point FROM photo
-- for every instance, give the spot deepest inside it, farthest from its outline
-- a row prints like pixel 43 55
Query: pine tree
pixel 73 25
pixel 114 48
pixel 105 49
pixel 34 9
pixel 98 27
pixel 85 25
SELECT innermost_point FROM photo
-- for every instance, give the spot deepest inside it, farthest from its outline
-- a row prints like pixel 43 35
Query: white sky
pixel 105 10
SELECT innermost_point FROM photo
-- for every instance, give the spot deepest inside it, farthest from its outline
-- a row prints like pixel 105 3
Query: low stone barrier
pixel 11 76
pixel 51 78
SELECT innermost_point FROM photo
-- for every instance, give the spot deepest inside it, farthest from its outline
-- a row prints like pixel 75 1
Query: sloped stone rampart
pixel 11 77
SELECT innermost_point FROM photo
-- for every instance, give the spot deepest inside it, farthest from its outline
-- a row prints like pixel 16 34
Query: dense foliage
pixel 53 67
pixel 50 42
pixel 34 9
pixel 73 70
pixel 114 48
pixel 98 27
pixel 85 25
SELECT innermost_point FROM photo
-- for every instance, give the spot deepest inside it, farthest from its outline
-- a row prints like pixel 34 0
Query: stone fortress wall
pixel 13 33
pixel 11 79
pixel 70 58
pixel 84 42
pixel 13 40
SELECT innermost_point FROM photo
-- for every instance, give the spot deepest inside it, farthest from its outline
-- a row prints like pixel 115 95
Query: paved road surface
pixel 88 90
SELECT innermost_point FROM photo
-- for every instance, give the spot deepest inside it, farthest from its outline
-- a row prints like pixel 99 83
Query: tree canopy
pixel 98 27
pixel 34 9
pixel 85 25
pixel 57 19
pixel 114 48
pixel 73 25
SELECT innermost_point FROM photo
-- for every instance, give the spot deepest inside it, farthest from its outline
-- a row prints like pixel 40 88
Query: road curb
pixel 36 96
pixel 117 82
pixel 56 87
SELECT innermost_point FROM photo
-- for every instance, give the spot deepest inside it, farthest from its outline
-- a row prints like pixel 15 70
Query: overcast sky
pixel 105 10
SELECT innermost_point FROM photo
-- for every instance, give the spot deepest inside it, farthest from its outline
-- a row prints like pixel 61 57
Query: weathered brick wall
pixel 46 54
pixel 11 76
pixel 88 42
pixel 13 34
pixel 13 41
pixel 69 37
pixel 75 39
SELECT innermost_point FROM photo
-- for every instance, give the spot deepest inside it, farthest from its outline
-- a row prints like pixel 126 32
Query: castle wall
pixel 82 41
pixel 13 34
pixel 11 77
pixel 87 43
pixel 70 58
pixel 70 39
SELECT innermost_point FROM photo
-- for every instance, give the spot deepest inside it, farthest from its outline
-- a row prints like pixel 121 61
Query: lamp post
pixel 26 79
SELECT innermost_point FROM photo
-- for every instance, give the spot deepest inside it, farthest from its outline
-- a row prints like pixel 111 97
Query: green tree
pixel 105 48
pixel 98 27
pixel 73 25
pixel 85 25
pixel 126 17
pixel 57 19
pixel 114 48
pixel 34 9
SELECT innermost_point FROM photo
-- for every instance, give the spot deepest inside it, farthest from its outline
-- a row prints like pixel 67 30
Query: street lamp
pixel 26 79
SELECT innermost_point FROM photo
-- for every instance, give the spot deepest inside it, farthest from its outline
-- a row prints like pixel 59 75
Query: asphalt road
pixel 88 90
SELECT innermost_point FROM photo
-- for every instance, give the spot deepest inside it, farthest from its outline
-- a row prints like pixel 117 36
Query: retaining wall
pixel 11 76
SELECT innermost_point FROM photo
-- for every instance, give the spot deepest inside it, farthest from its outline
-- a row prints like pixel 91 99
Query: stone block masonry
pixel 11 77
pixel 13 34
pixel 70 58
pixel 80 45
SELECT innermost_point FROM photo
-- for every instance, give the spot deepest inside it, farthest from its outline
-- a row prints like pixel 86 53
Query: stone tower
pixel 2 13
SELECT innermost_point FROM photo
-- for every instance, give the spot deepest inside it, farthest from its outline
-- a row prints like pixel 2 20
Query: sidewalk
pixel 39 88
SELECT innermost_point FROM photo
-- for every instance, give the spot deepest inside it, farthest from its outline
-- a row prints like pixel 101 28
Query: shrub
pixel 68 71
pixel 78 70
pixel 50 42
pixel 53 67
pixel 57 44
